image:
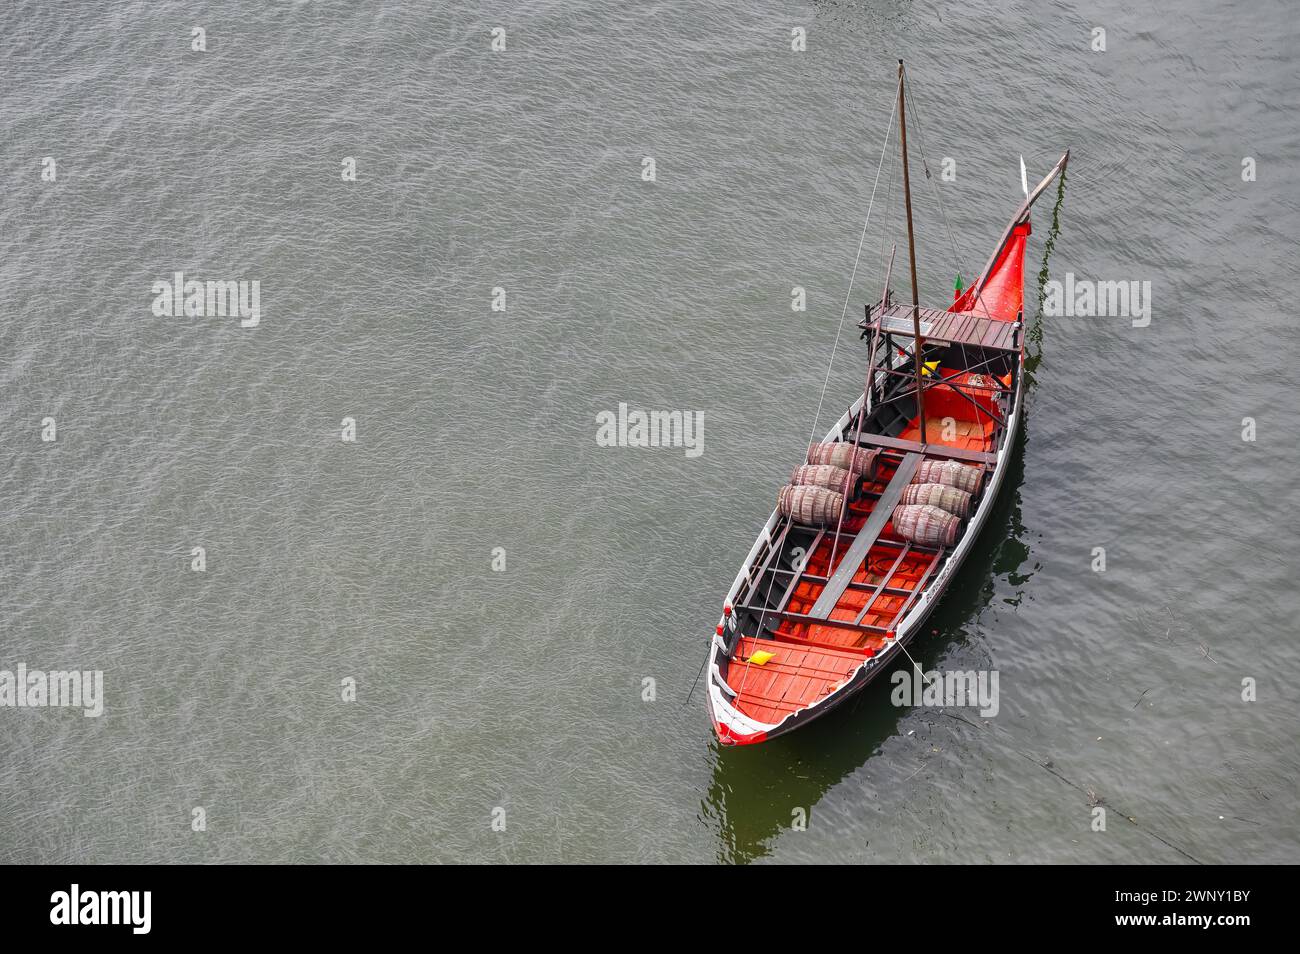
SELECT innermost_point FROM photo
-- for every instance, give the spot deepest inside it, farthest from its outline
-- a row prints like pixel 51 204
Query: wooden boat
pixel 842 577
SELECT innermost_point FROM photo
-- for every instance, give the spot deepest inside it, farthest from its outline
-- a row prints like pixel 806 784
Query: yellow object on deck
pixel 760 657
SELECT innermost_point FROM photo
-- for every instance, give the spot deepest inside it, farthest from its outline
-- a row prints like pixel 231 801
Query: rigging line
pixel 1048 766
pixel 767 601
pixel 697 680
pixel 869 384
pixel 943 213
pixel 978 301
pixel 938 194
pixel 909 656
pixel 884 267
pixel 849 294
pixel 884 273
pixel 889 206
pixel 1051 769
pixel 884 281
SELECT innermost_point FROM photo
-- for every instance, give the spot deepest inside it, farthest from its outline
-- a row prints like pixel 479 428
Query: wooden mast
pixel 911 254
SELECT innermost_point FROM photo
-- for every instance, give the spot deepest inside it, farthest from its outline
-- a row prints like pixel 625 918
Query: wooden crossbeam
pixel 884 580
pixel 805 618
pixel 794 579
pixel 920 586
pixel 774 548
pixel 930 450
pixel 945 327
pixel 864 587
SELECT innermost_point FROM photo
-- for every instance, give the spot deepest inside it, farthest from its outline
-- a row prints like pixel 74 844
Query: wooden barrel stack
pixel 829 476
pixel 815 494
pixel 860 460
pixel 930 511
pixel 926 524
pixel 950 473
pixel 956 502
pixel 933 506
pixel 811 505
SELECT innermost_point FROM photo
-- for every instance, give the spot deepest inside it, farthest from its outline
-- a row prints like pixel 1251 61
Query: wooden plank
pixel 930 450
pixel 962 330
pixel 857 552
pixel 942 326
pixel 831 660
pixel 916 547
pixel 925 314
pixel 948 327
pixel 866 607
pixel 918 589
pixel 1001 334
pixel 860 587
pixel 794 581
pixel 775 548
pixel 806 618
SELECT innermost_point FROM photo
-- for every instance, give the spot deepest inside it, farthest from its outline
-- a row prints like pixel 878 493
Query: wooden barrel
pixel 924 524
pixel 951 473
pixel 947 498
pixel 860 460
pixel 816 506
pixel 825 475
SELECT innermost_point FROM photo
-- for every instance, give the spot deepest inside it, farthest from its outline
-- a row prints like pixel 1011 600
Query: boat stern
pixel 733 728
pixel 730 725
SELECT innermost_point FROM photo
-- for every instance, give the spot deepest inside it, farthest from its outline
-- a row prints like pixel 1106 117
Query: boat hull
pixel 833 627
pixel 733 727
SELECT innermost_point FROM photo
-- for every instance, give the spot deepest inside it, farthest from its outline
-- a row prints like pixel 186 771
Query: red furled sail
pixel 1002 293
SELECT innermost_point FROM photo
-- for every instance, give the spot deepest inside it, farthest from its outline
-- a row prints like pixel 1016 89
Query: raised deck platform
pixel 947 327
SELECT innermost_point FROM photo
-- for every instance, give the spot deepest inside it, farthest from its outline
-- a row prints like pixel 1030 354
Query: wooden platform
pixel 948 327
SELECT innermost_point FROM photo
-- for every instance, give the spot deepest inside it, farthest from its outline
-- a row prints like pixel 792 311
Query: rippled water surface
pixel 475 429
